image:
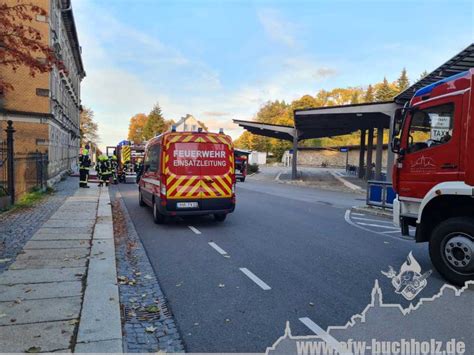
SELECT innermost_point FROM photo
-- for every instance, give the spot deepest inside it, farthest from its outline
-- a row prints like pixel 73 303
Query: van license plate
pixel 187 205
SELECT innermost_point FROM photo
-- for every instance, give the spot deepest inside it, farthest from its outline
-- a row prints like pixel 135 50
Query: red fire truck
pixel 241 163
pixel 188 173
pixel 434 173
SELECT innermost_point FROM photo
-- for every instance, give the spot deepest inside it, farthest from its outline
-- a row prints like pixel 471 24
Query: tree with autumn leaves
pixel 280 112
pixel 21 44
pixel 143 127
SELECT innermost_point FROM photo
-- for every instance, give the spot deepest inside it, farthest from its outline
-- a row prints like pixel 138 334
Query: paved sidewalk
pixel 60 294
pixel 18 226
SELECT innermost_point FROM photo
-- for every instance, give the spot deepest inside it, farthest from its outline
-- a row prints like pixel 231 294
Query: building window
pixel 42 92
pixel 41 142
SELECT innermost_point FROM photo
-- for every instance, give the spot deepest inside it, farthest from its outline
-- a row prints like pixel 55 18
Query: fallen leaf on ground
pixel 6 260
pixel 150 329
pixel 226 256
pixel 148 277
pixel 18 301
pixel 73 321
pixel 227 320
pixel 311 304
pixel 221 285
pixel 178 285
pixel 33 349
pixel 122 278
pixel 152 309
pixel 2 315
pixel 28 290
pixel 196 323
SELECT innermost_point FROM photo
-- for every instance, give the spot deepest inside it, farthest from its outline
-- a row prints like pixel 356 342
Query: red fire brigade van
pixel 434 173
pixel 188 173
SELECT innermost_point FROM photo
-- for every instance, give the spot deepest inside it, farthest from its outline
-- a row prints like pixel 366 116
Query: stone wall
pixel 332 158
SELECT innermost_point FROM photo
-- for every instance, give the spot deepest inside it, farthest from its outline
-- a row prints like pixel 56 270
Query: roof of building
pixel 68 17
pixel 185 118
pixel 461 62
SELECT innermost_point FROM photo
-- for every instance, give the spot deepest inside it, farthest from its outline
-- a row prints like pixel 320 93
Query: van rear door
pixel 216 169
pixel 198 166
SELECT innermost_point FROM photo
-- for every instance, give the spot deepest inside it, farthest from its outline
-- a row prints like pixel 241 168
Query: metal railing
pixel 380 194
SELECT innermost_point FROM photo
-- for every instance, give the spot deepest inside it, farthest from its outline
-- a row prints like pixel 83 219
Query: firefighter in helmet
pixel 114 168
pixel 84 166
pixel 103 170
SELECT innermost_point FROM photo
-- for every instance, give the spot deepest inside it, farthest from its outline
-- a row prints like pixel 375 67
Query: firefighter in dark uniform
pixel 114 168
pixel 84 166
pixel 138 168
pixel 103 169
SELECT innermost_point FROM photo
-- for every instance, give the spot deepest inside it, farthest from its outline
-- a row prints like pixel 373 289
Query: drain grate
pixel 141 314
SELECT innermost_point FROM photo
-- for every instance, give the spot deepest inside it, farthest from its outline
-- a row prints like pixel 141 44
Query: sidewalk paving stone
pixel 13 277
pixel 51 258
pixel 40 235
pixel 66 230
pixel 56 244
pixel 47 337
pixel 41 310
pixel 40 290
pixel 56 223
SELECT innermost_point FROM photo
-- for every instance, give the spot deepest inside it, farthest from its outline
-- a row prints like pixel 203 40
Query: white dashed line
pixel 194 229
pixel 217 248
pixel 255 278
pixel 316 329
pixel 357 214
pixel 375 225
pixel 372 220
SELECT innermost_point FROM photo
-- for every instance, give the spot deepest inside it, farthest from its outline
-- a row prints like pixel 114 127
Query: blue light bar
pixel 428 89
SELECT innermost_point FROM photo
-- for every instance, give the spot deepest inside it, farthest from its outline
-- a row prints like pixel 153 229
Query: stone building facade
pixel 45 109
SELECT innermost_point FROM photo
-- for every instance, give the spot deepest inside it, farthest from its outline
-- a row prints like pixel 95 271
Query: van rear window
pixel 198 159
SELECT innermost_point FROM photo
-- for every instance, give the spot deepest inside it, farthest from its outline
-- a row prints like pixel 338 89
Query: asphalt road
pixel 287 252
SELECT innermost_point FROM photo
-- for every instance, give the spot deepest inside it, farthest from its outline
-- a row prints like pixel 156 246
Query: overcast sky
pixel 220 60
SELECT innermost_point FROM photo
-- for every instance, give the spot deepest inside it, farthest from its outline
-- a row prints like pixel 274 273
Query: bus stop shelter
pixel 366 118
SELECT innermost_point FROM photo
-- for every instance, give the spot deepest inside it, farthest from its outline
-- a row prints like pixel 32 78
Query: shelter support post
pixel 379 154
pixel 370 148
pixel 294 161
pixel 362 154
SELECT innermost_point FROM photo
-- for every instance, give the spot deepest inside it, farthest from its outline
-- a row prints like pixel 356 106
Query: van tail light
pixel 233 188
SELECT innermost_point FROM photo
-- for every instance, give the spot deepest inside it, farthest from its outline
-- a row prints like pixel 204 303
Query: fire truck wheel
pixel 140 199
pixel 220 217
pixel 157 216
pixel 452 249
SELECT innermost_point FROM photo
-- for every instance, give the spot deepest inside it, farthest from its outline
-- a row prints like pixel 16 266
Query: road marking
pixel 345 182
pixel 255 278
pixel 316 329
pixel 347 217
pixel 357 214
pixel 372 220
pixel 194 229
pixel 217 248
pixel 376 225
pixel 395 231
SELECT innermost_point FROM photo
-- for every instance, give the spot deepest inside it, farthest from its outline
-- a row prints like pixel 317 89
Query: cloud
pixel 276 27
pixel 215 113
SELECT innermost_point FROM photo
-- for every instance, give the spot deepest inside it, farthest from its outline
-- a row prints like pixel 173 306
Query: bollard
pixel 10 162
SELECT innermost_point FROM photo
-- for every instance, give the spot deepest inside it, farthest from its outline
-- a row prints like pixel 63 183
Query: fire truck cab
pixel 434 173
pixel 188 173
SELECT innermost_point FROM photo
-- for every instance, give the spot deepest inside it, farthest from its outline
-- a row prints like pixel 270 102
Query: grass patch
pixel 31 198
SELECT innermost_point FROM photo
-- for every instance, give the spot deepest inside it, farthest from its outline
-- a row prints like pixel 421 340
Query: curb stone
pixel 100 328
